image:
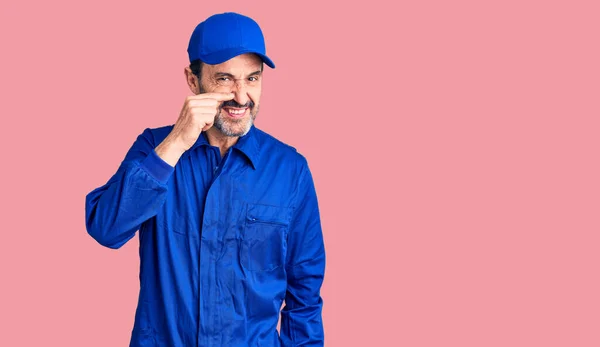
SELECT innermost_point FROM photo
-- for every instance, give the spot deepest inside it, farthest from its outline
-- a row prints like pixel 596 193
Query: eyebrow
pixel 226 74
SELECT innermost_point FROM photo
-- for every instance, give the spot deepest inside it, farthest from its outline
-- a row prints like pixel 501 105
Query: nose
pixel 241 93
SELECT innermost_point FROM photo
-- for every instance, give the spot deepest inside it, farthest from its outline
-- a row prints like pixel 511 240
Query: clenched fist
pixel 197 115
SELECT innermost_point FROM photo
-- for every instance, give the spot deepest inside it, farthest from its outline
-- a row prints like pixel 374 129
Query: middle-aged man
pixel 228 219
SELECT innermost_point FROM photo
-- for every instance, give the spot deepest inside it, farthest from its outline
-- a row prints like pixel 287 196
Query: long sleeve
pixel 301 318
pixel 134 194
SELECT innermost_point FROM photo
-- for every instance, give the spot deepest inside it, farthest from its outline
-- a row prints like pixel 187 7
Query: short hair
pixel 196 67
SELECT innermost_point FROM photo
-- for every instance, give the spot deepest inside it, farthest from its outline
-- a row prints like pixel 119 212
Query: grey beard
pixel 225 128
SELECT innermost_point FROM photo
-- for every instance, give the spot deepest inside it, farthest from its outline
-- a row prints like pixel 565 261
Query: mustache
pixel 233 103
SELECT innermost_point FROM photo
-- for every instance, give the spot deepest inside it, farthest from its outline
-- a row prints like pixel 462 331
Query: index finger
pixel 216 96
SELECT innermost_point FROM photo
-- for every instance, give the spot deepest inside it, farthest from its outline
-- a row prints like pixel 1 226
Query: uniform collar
pixel 247 144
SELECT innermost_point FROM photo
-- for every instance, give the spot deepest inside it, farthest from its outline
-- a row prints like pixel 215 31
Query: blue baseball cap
pixel 226 35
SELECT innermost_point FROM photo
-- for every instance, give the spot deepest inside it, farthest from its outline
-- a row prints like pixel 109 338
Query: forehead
pixel 240 65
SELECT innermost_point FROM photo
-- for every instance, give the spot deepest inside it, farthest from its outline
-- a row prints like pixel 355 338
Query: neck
pixel 217 139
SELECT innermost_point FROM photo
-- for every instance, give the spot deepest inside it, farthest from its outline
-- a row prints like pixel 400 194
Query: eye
pixel 223 79
pixel 253 79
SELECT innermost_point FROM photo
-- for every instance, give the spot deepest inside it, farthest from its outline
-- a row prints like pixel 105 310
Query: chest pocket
pixel 264 239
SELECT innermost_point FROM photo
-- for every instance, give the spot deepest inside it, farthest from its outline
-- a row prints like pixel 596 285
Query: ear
pixel 192 80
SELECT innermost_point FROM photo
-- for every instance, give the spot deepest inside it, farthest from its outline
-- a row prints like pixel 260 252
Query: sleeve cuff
pixel 156 167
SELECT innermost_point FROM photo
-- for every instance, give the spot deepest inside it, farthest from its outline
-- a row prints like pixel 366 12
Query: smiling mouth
pixel 236 112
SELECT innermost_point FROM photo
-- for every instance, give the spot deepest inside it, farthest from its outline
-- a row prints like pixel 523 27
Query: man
pixel 228 219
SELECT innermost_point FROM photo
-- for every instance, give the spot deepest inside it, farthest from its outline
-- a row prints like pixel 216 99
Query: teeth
pixel 232 111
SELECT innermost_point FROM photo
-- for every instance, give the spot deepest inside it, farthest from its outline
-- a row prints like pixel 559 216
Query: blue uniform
pixel 223 242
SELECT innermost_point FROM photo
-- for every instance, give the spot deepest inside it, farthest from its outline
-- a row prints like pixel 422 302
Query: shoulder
pixel 156 135
pixel 160 133
pixel 278 149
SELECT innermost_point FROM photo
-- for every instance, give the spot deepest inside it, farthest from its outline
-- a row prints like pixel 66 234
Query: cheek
pixel 212 87
pixel 255 95
pixel 220 89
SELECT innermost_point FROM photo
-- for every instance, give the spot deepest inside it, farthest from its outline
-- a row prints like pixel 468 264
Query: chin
pixel 234 129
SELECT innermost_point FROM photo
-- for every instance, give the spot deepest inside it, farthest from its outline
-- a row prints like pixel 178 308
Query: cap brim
pixel 266 60
pixel 223 56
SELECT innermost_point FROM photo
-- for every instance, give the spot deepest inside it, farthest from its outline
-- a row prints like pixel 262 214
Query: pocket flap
pixel 269 214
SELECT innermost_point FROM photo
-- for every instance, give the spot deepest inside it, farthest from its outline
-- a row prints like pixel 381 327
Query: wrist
pixel 170 151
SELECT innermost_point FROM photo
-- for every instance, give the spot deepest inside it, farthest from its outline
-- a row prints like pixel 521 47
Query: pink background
pixel 454 146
